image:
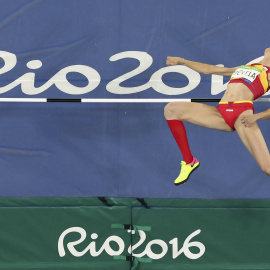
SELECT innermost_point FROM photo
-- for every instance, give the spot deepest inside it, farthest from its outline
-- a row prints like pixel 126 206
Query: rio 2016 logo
pixel 93 78
pixel 119 242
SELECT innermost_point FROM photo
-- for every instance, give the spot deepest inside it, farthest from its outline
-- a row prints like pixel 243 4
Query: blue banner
pixel 98 49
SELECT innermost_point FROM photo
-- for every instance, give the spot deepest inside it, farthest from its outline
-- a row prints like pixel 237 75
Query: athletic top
pixel 254 76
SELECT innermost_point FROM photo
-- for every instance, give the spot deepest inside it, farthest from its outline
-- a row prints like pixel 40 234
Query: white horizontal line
pixel 134 100
pixel 23 99
pixel 148 100
pixel 110 100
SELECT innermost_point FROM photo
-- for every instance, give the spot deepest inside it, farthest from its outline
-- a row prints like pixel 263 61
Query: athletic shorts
pixel 230 111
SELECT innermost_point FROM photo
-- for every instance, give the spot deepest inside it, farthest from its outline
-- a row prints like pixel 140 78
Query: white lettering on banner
pixel 145 62
pixel 59 79
pixel 217 85
pixel 156 79
pixel 27 81
pixel 193 77
pixel 148 251
pixel 186 246
pixel 91 248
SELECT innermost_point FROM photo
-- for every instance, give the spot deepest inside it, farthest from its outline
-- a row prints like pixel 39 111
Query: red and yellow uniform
pixel 254 76
pixel 230 111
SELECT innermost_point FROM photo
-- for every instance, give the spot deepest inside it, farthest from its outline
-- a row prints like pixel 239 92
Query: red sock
pixel 179 132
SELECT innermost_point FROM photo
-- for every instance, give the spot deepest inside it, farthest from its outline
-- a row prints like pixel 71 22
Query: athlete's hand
pixel 248 120
pixel 172 61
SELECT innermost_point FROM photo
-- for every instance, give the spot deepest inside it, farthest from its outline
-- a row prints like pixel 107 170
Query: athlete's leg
pixel 195 113
pixel 254 141
pixel 242 134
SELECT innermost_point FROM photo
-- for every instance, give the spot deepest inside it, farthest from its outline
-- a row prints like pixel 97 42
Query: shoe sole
pixel 183 182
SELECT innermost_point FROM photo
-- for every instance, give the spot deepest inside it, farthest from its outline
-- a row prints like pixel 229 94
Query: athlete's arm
pixel 264 115
pixel 248 120
pixel 201 67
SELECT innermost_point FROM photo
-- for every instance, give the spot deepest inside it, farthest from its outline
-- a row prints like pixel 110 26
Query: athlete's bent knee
pixel 169 111
pixel 172 111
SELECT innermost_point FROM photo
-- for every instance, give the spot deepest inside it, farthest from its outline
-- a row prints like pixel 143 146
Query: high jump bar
pixel 120 100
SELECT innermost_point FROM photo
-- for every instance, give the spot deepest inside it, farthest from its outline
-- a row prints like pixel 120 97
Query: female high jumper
pixel 234 112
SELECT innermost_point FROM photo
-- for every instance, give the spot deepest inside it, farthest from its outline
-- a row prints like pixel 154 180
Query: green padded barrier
pixel 43 238
pixel 234 233
pixel 203 239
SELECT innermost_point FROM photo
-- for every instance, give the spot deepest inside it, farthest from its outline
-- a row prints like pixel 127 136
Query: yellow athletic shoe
pixel 186 170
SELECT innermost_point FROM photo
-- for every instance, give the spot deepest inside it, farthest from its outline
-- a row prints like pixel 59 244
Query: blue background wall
pixel 125 150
